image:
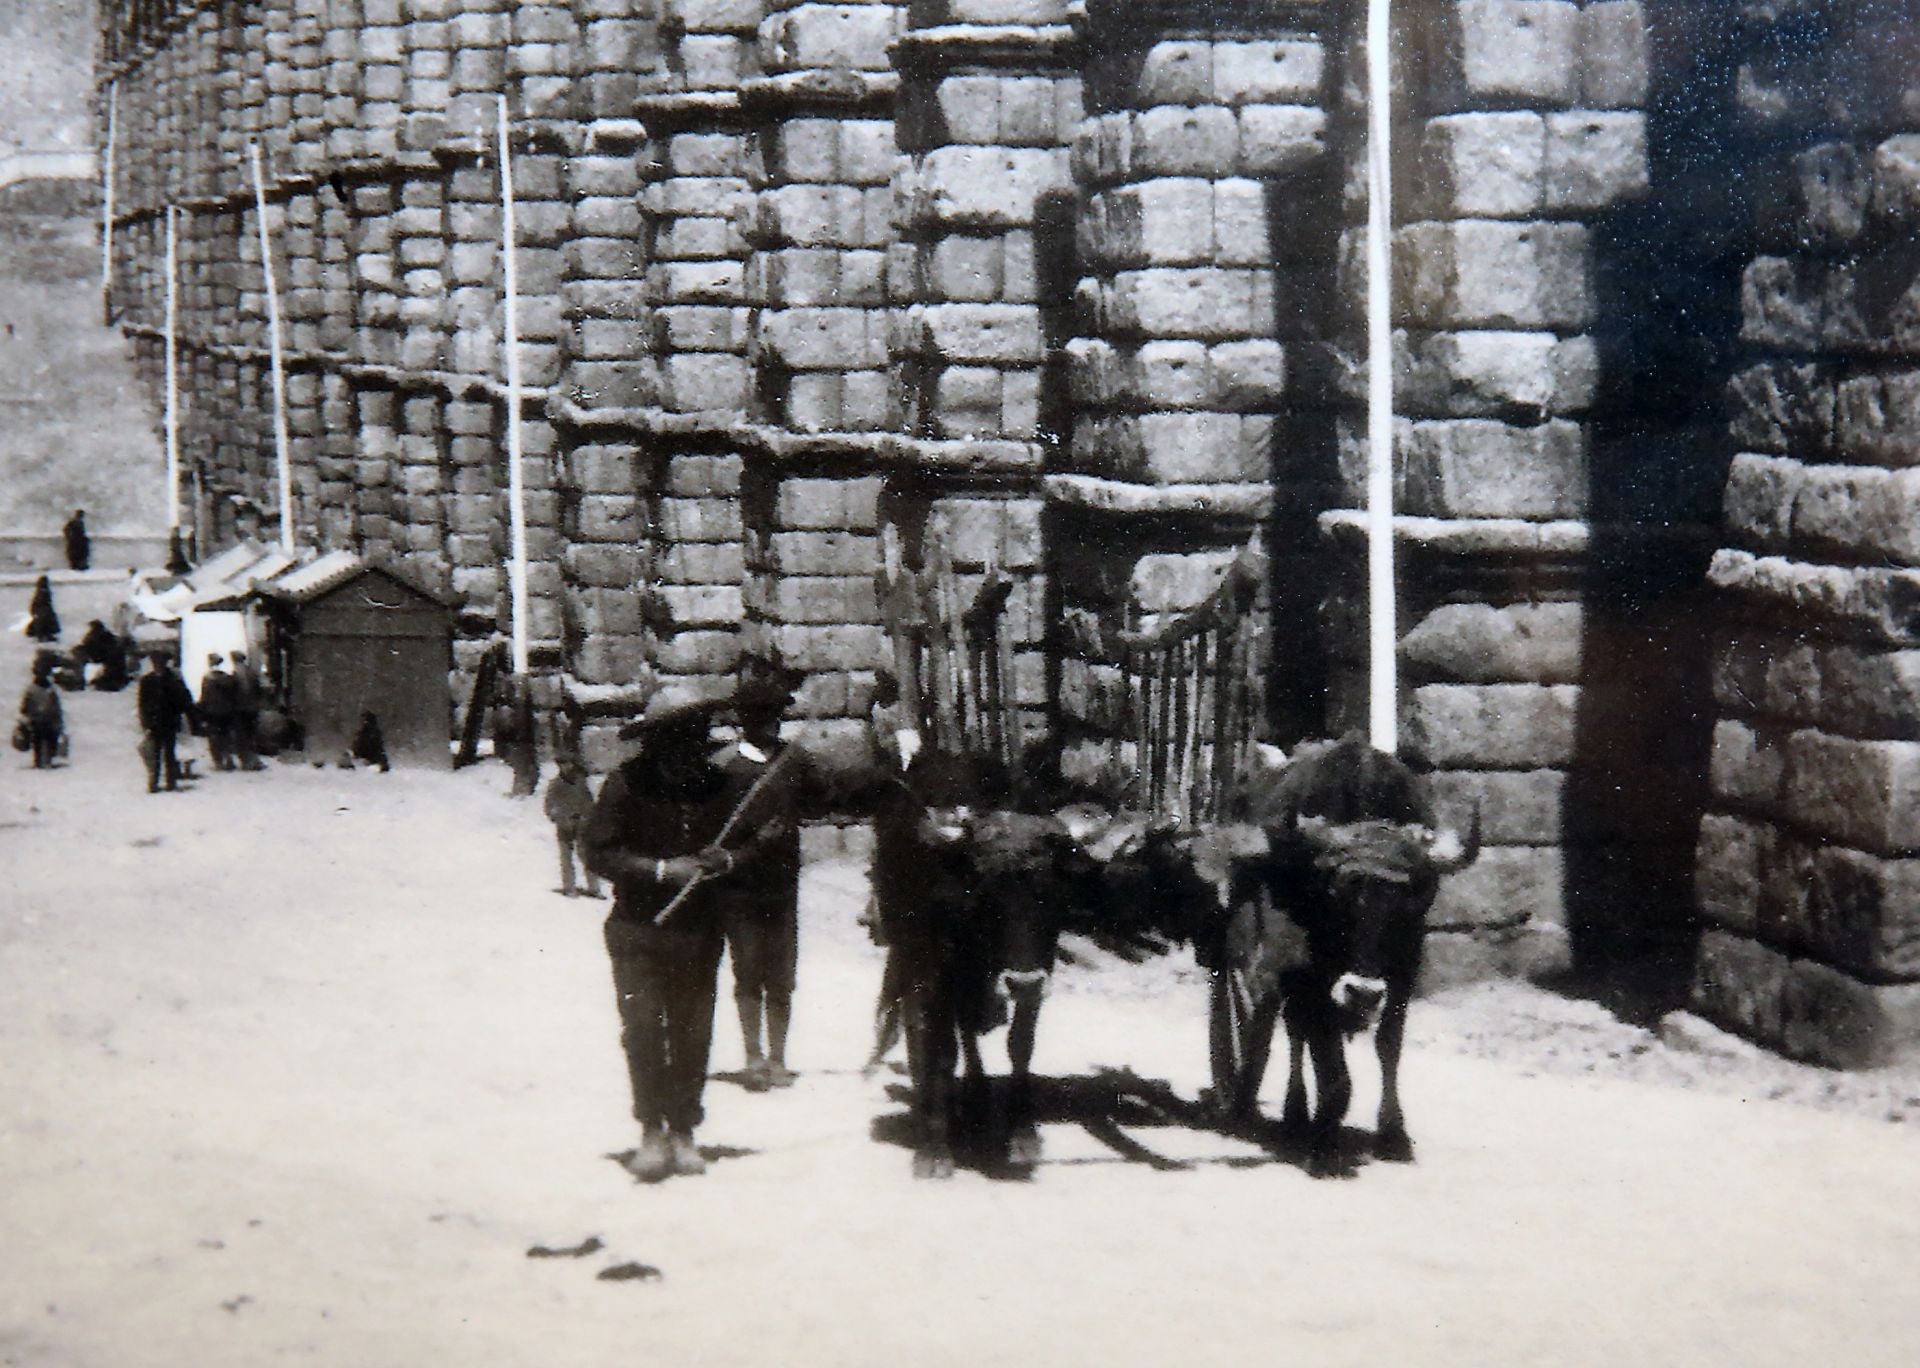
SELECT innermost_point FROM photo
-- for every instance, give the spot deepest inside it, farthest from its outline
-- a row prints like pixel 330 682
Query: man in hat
pixel 653 833
pixel 770 783
pixel 218 702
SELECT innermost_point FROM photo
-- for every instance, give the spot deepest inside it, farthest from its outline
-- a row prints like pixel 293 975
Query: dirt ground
pixel 300 1066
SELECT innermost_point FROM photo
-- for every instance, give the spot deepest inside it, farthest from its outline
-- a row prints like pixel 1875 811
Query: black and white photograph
pixel 960 683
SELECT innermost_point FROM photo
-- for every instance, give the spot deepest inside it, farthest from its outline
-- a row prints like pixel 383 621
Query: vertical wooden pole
pixel 510 340
pixel 1382 631
pixel 106 203
pixel 173 372
pixel 282 460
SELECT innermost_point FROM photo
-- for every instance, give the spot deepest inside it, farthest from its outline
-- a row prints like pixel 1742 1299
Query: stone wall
pixel 1807 867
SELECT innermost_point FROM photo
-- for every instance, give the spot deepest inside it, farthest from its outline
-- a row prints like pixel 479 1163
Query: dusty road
pixel 298 1066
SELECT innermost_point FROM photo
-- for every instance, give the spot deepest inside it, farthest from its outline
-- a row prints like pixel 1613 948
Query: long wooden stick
pixel 726 830
pixel 282 459
pixel 510 343
pixel 106 202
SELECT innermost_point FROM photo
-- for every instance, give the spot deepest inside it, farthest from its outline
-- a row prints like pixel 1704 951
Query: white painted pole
pixel 282 459
pixel 106 202
pixel 510 340
pixel 173 375
pixel 1382 631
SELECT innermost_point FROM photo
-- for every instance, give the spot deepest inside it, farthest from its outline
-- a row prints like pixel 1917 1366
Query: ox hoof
pixel 1329 1163
pixel 1394 1147
pixel 1023 1151
pixel 933 1164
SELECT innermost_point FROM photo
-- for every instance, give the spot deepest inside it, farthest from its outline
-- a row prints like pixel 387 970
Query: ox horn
pixel 1449 852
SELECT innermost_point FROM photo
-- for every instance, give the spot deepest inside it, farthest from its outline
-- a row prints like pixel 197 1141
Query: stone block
pixel 1480 468
pixel 699 652
pixel 987 187
pixel 1495 374
pixel 1481 165
pixel 701 282
pixel 1276 140
pixel 1486 274
pixel 1814 197
pixel 810 503
pixel 839 647
pixel 1895 205
pixel 1198 302
pixel 1172 140
pixel 1594 160
pixel 1748 766
pixel 850 37
pixel 603 567
pixel 1176 448
pixel 696 381
pixel 695 520
pixel 1614 59
pixel 1740 984
pixel 822 599
pixel 1515 807
pixel 700 605
pixel 1268 71
pixel 821 553
pixel 1783 408
pixel 1729 858
pixel 1481 643
pixel 822 338
pixel 1002 334
pixel 1865 794
pixel 702 563
pixel 1760 497
pixel 1509 53
pixel 614 384
pixel 1507 886
pixel 703 477
pixel 1491 726
pixel 1876 418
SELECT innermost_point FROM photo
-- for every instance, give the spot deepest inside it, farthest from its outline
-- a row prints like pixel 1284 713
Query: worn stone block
pixel 1482 643
pixel 1507 886
pixel 1507 53
pixel 821 553
pixel 1614 63
pixel 1494 374
pixel 1482 273
pixel 1783 408
pixel 1876 418
pixel 691 520
pixel 1491 726
pixel 1278 139
pixel 987 187
pixel 822 338
pixel 1594 160
pixel 1487 469
pixel 840 647
pixel 1865 794
pixel 697 381
pixel 1760 497
pixel 1481 165
pixel 1729 858
pixel 1171 140
pixel 1748 765
pixel 804 503
pixel 1515 807
pixel 1003 334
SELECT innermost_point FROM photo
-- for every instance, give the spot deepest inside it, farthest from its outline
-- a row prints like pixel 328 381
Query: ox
pixel 969 904
pixel 1331 937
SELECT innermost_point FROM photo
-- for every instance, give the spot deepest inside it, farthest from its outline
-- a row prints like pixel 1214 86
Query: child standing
pixel 569 802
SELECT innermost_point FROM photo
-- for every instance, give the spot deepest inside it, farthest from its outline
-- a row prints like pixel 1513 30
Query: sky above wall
pixel 46 74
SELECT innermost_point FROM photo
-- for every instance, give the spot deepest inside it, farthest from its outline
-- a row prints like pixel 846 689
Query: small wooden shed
pixel 352 638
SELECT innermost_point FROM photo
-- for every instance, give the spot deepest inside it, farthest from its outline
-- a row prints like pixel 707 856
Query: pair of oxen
pixel 1309 900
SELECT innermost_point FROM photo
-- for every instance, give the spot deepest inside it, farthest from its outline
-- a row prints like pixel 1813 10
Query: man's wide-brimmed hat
pixel 765 686
pixel 672 714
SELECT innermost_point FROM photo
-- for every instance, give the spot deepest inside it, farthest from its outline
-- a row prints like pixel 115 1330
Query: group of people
pixel 699 834
pixel 227 712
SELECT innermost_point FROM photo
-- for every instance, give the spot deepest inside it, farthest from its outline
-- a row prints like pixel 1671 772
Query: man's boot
pixel 653 1161
pixel 686 1155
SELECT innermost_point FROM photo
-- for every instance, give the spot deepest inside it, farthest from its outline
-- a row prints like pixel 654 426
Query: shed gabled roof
pixel 333 571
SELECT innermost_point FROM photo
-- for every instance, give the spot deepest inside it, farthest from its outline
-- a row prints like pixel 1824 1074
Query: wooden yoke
pixel 1194 692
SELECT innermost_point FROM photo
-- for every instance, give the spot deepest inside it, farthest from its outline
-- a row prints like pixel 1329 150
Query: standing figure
pixel 369 743
pixel 164 702
pixel 247 695
pixel 569 803
pixel 40 711
pixel 79 545
pixel 219 701
pixel 108 653
pixel 516 737
pixel 43 624
pixel 760 900
pixel 653 832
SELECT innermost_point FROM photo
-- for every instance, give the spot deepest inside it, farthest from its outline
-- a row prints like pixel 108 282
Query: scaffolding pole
pixel 1382 630
pixel 172 409
pixel 282 460
pixel 510 341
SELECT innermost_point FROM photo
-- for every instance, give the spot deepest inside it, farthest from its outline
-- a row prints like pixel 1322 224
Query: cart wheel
pixel 1240 1038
